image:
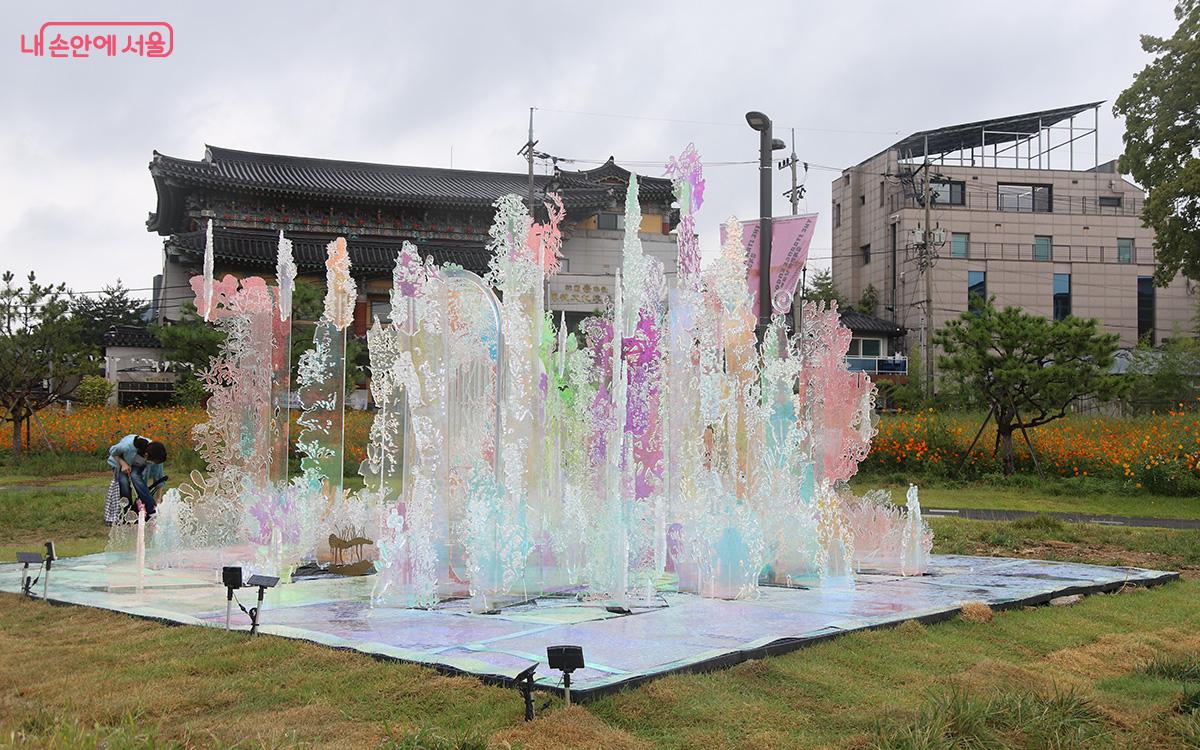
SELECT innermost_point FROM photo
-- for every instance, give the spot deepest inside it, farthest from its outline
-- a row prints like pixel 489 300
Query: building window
pixel 1028 198
pixel 976 290
pixel 1062 295
pixel 865 348
pixel 1109 201
pixel 1124 249
pixel 862 199
pixel 1042 247
pixel 866 253
pixel 611 222
pixel 881 192
pixel 948 192
pixel 1145 309
pixel 960 245
pixel 837 215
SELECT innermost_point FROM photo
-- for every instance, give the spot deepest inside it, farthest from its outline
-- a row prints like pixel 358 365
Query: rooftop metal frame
pixel 1025 141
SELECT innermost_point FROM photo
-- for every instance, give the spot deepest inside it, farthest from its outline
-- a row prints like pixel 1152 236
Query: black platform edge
pixel 724 661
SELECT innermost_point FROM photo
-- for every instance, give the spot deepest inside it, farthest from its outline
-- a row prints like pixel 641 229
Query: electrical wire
pixel 715 123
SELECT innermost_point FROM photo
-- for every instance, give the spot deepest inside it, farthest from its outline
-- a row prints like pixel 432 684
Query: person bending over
pixel 137 467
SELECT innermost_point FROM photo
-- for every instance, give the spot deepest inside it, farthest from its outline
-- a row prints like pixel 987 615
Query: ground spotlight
pixel 565 659
pixel 263 583
pixel 231 576
pixel 525 685
pixel 51 556
pixel 27 581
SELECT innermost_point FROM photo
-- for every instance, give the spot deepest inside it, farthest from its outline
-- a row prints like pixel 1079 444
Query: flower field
pixel 94 429
pixel 1160 453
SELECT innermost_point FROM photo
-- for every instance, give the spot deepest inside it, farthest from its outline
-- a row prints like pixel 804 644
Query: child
pixel 137 467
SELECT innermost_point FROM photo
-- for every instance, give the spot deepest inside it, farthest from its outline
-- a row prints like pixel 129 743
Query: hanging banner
pixel 790 238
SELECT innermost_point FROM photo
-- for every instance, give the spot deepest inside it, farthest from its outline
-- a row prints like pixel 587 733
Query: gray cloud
pixel 406 82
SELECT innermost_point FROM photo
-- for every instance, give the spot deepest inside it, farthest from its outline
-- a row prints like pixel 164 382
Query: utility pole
pixel 927 270
pixel 795 194
pixel 529 144
pixel 529 153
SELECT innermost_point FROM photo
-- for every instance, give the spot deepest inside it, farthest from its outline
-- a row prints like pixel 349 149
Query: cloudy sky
pixel 411 83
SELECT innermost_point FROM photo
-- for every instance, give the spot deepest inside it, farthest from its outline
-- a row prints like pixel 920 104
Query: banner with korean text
pixel 790 238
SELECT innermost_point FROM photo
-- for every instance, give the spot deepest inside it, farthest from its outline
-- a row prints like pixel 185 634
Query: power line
pixel 715 123
pixel 642 162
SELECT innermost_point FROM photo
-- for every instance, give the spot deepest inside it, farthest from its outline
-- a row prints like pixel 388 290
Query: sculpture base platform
pixel 684 633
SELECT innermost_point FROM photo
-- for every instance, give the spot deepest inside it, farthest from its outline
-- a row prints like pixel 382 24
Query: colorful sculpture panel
pixel 659 445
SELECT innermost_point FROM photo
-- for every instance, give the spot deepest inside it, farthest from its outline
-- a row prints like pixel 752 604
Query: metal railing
pixel 991 200
pixel 878 366
pixel 1058 253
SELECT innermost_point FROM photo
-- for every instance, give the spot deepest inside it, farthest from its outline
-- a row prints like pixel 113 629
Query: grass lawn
pixel 1052 496
pixel 1120 670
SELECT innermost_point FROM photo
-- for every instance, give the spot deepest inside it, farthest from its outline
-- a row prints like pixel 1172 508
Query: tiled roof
pixel 371 254
pixel 385 184
pixel 650 189
pixel 134 336
pixel 862 323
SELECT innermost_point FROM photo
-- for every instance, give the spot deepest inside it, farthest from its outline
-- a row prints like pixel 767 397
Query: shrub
pixel 93 390
pixel 189 391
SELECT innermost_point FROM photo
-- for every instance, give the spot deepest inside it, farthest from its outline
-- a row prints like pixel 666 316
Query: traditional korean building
pixel 251 196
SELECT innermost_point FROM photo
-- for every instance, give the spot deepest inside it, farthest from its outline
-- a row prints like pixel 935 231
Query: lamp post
pixel 760 122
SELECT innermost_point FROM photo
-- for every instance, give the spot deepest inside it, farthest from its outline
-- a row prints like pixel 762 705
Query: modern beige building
pixel 1021 211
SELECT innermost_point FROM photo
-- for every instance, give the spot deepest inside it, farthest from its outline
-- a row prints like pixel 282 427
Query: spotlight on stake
pixel 566 659
pixel 27 559
pixel 50 558
pixel 231 576
pixel 525 685
pixel 263 583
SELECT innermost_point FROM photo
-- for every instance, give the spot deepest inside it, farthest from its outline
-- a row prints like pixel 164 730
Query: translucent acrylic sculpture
pixel 659 445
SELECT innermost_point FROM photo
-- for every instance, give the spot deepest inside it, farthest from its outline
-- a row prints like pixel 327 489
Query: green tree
pixel 869 301
pixel 113 307
pixel 189 391
pixel 190 343
pixel 1162 143
pixel 821 289
pixel 1028 369
pixel 42 356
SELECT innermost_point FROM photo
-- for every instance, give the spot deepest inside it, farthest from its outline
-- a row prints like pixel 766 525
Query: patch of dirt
pixel 47 481
pixel 1078 669
pixel 996 674
pixel 565 728
pixel 976 612
pixel 1102 554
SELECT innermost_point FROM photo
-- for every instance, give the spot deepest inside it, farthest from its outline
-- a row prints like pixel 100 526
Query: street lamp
pixel 760 122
